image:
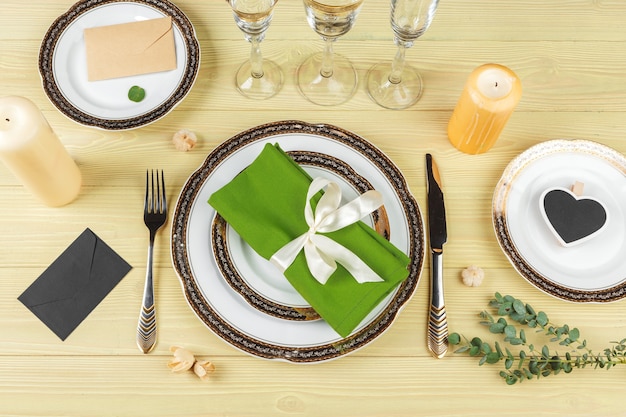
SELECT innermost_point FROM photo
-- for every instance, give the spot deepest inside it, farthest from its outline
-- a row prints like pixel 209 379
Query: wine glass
pixel 326 78
pixel 256 78
pixel 396 85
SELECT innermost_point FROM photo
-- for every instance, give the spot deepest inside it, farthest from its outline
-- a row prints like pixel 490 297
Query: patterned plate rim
pixel 264 349
pixel 52 90
pixel 524 268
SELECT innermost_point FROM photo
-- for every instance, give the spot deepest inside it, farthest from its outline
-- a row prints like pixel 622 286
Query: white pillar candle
pixel 34 154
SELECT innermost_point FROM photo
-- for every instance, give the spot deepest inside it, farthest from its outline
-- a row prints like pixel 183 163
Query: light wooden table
pixel 570 56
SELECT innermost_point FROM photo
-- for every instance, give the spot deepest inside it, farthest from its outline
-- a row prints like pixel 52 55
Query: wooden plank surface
pixel 570 57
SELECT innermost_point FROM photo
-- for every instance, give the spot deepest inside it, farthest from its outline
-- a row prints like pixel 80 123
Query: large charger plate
pixel 222 309
pixel 104 104
pixel 592 271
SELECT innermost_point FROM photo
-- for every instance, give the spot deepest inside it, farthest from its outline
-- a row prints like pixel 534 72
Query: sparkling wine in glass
pixel 397 85
pixel 326 78
pixel 256 78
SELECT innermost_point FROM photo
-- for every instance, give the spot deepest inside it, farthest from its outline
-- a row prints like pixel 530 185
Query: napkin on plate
pixel 265 205
pixel 74 284
pixel 127 49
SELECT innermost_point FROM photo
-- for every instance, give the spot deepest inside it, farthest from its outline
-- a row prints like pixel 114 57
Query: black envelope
pixel 75 283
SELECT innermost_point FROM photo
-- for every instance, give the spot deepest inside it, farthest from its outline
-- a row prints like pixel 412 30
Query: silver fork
pixel 154 216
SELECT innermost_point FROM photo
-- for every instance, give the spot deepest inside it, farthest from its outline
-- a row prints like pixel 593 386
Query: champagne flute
pixel 256 78
pixel 396 85
pixel 326 78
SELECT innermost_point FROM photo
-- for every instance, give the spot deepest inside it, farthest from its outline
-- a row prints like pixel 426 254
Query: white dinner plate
pixel 252 277
pixel 592 271
pixel 104 104
pixel 222 309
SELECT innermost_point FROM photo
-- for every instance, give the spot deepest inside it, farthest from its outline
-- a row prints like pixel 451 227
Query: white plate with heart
pixel 593 269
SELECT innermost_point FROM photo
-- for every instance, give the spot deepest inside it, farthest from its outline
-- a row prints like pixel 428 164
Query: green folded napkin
pixel 265 205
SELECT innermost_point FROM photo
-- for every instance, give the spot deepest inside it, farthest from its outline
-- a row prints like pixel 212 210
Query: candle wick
pixel 496 83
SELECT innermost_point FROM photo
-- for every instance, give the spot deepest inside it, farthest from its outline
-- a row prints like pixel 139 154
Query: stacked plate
pixel 242 297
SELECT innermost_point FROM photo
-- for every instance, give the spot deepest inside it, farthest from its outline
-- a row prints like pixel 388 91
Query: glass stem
pixel 397 66
pixel 327 58
pixel 256 58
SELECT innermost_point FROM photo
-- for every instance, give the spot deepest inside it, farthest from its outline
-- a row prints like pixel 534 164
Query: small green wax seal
pixel 136 93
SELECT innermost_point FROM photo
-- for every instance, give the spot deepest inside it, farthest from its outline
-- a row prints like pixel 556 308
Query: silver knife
pixel 437 318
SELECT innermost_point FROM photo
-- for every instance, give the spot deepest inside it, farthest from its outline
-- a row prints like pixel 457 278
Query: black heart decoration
pixel 572 218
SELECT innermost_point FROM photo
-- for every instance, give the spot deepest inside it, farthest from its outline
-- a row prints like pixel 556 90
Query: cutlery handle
pixel 147 326
pixel 437 318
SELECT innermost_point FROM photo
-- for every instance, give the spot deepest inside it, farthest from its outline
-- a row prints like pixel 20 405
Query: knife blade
pixel 438 235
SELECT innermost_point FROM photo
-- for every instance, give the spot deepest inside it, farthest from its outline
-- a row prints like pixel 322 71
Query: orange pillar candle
pixel 30 149
pixel 491 93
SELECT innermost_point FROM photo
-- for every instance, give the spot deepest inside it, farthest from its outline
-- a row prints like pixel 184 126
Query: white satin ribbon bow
pixel 321 252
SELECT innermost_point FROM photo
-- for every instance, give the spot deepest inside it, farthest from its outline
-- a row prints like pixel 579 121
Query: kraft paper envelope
pixel 127 49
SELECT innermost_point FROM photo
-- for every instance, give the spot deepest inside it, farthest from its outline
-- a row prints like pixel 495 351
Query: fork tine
pixel 163 205
pixel 153 205
pixel 146 203
pixel 156 190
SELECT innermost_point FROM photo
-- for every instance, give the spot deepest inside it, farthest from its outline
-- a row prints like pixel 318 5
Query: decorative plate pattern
pixel 224 311
pixel 270 304
pixel 593 271
pixel 64 74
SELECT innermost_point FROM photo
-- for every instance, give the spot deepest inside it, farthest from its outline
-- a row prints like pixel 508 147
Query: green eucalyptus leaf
pixel 511 379
pixel 497 328
pixel 454 338
pixel 519 307
pixel 477 341
pixel 574 334
pixel 510 331
pixel 504 309
pixel 508 353
pixel 520 318
pixel 136 94
pixel 493 357
pixel 542 318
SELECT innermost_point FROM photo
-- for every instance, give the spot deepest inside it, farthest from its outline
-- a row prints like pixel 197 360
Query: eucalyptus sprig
pixel 531 362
